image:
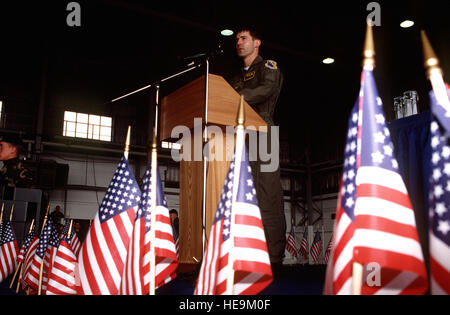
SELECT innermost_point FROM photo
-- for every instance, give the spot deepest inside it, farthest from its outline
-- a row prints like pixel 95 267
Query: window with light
pixel 87 126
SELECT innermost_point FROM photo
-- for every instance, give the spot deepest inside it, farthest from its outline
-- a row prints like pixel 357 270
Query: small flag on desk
pixel 251 259
pixel 8 251
pixel 439 195
pixel 375 221
pixel 62 279
pixel 48 242
pixel 104 251
pixel 136 277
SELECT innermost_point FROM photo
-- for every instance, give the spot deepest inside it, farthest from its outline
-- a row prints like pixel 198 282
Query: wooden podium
pixel 180 109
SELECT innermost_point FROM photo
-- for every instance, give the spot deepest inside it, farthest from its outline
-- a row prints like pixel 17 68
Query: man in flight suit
pixel 260 82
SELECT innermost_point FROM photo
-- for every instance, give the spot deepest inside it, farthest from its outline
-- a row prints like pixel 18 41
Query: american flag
pixel 25 246
pixel 8 251
pixel 28 262
pixel 252 269
pixel 103 253
pixel 328 251
pixel 75 244
pixel 316 247
pixel 65 229
pixel 439 231
pixel 291 244
pixel 304 245
pixel 375 221
pixel 45 252
pixel 136 278
pixel 62 279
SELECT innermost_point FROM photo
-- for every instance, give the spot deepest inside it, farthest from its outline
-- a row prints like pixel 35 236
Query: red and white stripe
pixel 103 254
pixel 28 260
pixel 316 248
pixel 62 277
pixel 33 274
pixel 385 232
pixel 8 259
pixel 439 266
pixel 75 244
pixel 136 278
pixel 251 260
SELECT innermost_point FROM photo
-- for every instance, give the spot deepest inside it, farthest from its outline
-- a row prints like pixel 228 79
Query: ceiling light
pixel 328 61
pixel 226 32
pixel 407 24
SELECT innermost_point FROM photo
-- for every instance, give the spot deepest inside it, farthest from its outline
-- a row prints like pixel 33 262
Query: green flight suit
pixel 261 85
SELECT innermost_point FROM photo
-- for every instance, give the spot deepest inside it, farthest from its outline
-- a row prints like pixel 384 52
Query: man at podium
pixel 260 82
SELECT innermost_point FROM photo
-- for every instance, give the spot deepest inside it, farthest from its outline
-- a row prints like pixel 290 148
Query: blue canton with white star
pixel 123 193
pixel 348 190
pixel 246 193
pixel 378 149
pixel 440 174
pixel 145 204
pixel 7 233
pixel 46 236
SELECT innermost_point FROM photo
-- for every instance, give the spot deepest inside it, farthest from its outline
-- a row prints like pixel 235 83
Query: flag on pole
pixel 25 246
pixel 304 245
pixel 62 279
pixel 105 248
pixel 9 251
pixel 439 221
pixel 316 247
pixel 328 251
pixel 291 244
pixel 136 278
pixel 375 221
pixel 48 241
pixel 28 262
pixel 251 265
pixel 75 244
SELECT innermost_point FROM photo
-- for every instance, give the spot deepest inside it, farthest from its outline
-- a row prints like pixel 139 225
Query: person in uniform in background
pixel 13 172
pixel 260 82
pixel 57 217
pixel 175 221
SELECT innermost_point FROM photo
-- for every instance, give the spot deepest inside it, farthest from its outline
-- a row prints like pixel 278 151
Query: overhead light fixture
pixel 407 24
pixel 328 61
pixel 226 32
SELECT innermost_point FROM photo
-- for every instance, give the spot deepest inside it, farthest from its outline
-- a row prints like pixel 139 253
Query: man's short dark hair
pixel 252 30
pixel 173 211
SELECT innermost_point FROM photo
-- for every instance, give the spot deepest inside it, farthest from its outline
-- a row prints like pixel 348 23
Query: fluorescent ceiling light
pixel 328 61
pixel 407 24
pixel 226 32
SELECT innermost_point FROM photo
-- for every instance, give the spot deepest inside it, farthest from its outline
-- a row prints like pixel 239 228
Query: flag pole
pixel 127 144
pixel 41 271
pixel 1 214
pixel 434 72
pixel 153 183
pixel 368 64
pixel 12 212
pixel 240 120
pixel 69 232
pixel 20 266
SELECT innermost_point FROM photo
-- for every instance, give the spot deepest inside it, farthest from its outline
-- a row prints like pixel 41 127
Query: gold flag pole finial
pixel 430 57
pixel 369 49
pixel 127 143
pixel 240 120
pixel 435 73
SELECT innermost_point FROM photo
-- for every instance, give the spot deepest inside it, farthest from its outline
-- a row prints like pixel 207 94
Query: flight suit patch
pixel 250 75
pixel 271 64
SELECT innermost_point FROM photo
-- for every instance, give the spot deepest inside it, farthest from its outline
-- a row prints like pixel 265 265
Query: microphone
pixel 217 50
